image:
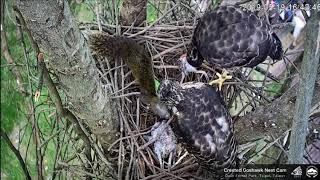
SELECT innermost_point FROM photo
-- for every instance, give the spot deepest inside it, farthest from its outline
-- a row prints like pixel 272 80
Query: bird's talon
pixel 221 78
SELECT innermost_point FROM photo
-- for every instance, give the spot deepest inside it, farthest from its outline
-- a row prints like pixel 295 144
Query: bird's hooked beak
pixel 186 68
pixel 184 65
pixel 183 56
pixel 183 60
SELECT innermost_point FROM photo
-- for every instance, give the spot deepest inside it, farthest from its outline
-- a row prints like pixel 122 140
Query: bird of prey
pixel 201 122
pixel 228 37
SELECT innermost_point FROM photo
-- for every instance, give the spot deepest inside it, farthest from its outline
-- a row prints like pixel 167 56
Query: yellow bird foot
pixel 221 78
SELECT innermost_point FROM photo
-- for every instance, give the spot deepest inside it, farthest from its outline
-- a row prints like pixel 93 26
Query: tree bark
pixel 305 92
pixel 133 12
pixel 54 29
pixel 272 119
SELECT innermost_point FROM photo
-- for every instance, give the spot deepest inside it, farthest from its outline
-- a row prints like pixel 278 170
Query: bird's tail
pixel 276 51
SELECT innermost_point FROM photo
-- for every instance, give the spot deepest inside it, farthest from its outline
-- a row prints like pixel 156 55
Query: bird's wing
pixel 230 37
pixel 204 125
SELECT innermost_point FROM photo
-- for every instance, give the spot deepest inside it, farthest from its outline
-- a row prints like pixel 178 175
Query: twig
pixel 125 95
pixel 156 137
pixel 17 153
pixel 155 22
pixel 50 138
pixel 98 9
pixel 267 74
pixel 7 55
pixel 169 50
pixel 36 132
pixel 266 147
pixel 127 137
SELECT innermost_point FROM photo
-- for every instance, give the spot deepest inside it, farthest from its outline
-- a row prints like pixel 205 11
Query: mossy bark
pixel 54 29
pixel 308 76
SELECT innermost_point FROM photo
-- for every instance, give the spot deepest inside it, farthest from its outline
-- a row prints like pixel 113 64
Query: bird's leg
pixel 203 73
pixel 187 68
pixel 221 78
pixel 158 152
pixel 170 160
pixel 160 161
pixel 182 77
pixel 196 71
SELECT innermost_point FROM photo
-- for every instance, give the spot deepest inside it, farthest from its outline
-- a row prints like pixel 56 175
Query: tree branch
pixel 7 55
pixel 52 27
pixel 272 119
pixel 17 153
pixel 32 109
pixel 307 80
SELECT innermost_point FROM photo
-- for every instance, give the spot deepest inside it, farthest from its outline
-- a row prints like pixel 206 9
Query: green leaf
pixel 157 84
pixel 151 13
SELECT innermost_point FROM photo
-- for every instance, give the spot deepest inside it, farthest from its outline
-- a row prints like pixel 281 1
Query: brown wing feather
pixel 204 126
pixel 230 37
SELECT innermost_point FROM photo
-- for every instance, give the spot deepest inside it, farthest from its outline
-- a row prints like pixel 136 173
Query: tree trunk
pixel 133 11
pixel 54 29
pixel 305 92
pixel 272 119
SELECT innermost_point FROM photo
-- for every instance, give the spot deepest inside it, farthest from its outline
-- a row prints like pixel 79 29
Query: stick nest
pixel 166 40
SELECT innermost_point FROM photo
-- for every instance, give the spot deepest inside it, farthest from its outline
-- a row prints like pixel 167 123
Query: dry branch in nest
pixel 166 41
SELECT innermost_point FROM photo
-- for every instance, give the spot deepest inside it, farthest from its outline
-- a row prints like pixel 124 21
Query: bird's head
pixel 193 56
pixel 169 92
pixel 185 67
pixel 277 51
